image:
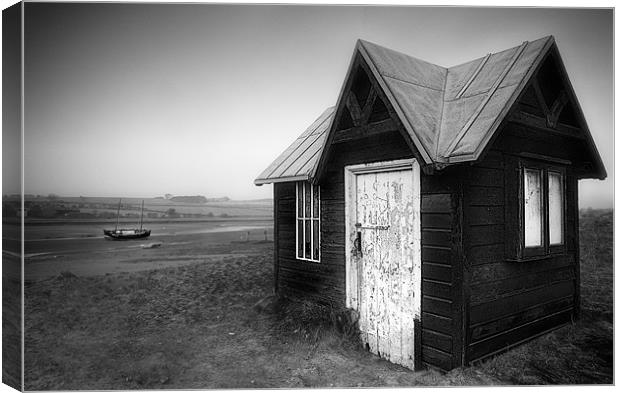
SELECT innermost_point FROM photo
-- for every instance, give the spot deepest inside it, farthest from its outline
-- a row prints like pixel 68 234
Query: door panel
pixel 384 206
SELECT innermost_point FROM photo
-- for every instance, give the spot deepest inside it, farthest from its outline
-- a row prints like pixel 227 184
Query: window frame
pixel 531 251
pixel 546 249
pixel 559 247
pixel 303 219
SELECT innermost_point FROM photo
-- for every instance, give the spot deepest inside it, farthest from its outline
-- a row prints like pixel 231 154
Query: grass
pixel 214 325
pixel 135 330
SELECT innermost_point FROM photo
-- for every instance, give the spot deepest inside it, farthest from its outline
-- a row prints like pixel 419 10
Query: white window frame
pixel 562 179
pixel 303 220
pixel 540 222
pixel 546 248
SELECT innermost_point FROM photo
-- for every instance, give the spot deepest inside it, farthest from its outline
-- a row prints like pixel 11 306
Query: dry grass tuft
pixel 312 322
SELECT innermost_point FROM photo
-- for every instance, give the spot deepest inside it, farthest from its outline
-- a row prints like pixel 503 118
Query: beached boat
pixel 127 234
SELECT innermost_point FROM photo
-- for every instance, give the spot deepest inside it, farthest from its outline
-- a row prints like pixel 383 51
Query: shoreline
pixel 90 221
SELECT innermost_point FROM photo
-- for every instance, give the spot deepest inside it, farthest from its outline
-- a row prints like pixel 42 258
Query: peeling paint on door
pixel 386 279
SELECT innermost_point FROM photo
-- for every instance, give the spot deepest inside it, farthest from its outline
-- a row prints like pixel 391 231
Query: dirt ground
pixel 197 325
pixel 82 249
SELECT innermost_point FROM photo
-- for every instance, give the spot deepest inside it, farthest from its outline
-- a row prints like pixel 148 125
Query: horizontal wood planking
pixel 334 299
pixel 437 340
pixel 485 196
pixel 386 147
pixel 486 253
pixel 435 203
pixel 510 301
pixel 436 358
pixel 436 220
pixel 323 281
pixel 517 335
pixel 437 237
pixel 437 289
pixel 489 291
pixel 438 306
pixel 438 293
pixel 494 159
pixel 436 322
pixel 503 270
pixel 365 131
pixel 313 286
pixel 484 235
pixel 436 272
pixel 486 177
pixel 284 190
pixel 485 215
pixel 482 331
pixel 514 303
pixel 517 139
pixel 307 267
pixel 436 254
pixel 441 183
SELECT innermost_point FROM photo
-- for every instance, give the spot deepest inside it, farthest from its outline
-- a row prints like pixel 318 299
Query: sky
pixel 139 100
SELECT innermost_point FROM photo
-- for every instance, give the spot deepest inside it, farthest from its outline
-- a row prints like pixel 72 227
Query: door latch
pixel 357 243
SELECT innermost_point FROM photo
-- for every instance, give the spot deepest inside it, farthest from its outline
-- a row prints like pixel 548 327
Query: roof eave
pixel 260 182
pixel 600 171
pixel 318 168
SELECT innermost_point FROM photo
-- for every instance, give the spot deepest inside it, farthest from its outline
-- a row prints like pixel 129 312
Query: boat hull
pixel 126 234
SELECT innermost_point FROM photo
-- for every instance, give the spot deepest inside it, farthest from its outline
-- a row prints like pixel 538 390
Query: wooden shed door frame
pixel 351 173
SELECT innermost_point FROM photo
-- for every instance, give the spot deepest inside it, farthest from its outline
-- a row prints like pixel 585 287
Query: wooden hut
pixel 439 203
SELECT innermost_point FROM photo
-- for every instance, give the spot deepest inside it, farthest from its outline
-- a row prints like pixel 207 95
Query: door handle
pixel 357 243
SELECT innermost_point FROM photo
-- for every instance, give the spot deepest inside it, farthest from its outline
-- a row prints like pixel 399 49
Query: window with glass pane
pixel 556 208
pixel 308 221
pixel 533 208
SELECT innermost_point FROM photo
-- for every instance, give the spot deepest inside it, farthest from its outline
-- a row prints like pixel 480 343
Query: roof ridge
pixel 443 105
pixel 489 94
pixel 417 142
pixel 364 42
pixel 474 121
pixel 416 84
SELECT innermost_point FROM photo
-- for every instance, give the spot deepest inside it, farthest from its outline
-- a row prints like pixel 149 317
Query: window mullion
pixel 297 220
pixel 545 189
pixel 307 218
pixel 311 226
pixel 303 221
pixel 319 223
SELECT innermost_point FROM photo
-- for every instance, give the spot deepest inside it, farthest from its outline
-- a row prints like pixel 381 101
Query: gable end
pixel 365 108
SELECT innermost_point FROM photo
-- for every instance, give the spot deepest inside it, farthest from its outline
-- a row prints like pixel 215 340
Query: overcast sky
pixel 146 99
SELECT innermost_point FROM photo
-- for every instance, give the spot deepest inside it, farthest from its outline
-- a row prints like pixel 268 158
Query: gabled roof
pixel 298 161
pixel 450 114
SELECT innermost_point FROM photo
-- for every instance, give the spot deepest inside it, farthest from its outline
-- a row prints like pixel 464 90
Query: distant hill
pixel 189 199
pixel 38 206
pixel 195 199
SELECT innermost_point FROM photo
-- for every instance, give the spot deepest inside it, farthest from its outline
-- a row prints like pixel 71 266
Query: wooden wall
pixel 322 282
pixel 441 266
pixel 475 301
pixel 325 281
pixel 509 302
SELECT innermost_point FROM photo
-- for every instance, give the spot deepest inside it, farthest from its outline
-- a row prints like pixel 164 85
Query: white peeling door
pixel 386 259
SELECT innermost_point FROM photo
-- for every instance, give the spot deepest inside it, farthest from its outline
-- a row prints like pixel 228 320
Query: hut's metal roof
pixel 450 114
pixel 298 161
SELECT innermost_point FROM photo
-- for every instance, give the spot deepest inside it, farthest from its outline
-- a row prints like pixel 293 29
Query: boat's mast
pixel 118 212
pixel 141 214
